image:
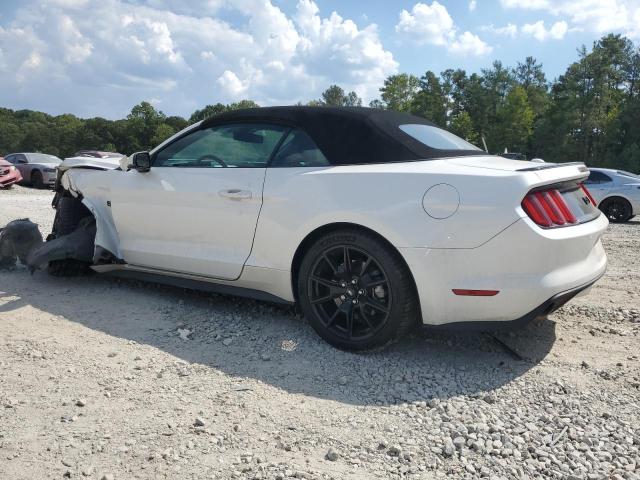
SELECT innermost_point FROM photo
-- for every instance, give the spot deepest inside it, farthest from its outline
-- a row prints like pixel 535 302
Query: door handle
pixel 236 194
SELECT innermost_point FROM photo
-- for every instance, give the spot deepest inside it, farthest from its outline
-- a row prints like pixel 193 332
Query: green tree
pixel 143 121
pixel 163 131
pixel 218 108
pixel 335 96
pixel 514 122
pixel 531 77
pixel 462 125
pixel 399 92
pixel 431 101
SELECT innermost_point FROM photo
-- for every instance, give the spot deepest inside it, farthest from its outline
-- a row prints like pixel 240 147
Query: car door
pixel 599 184
pixel 195 211
pixel 22 165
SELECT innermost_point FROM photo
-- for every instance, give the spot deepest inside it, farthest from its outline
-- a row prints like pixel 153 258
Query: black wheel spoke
pixel 376 304
pixel 349 314
pixel 376 283
pixel 334 269
pixel 324 299
pixel 364 316
pixel 333 317
pixel 365 265
pixel 347 260
pixel 332 285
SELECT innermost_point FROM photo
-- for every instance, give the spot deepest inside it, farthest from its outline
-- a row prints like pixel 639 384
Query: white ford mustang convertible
pixel 372 221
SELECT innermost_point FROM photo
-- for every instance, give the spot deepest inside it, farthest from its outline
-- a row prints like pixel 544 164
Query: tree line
pixel 591 113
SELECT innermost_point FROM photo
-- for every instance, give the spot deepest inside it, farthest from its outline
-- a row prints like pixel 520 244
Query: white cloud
pixel 469 44
pixel 509 30
pixel 472 5
pixel 231 84
pixel 599 16
pixel 119 52
pixel 528 4
pixel 427 24
pixel 432 24
pixel 557 31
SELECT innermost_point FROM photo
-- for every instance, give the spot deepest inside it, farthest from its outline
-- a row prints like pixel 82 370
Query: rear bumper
pixel 530 267
pixel 547 308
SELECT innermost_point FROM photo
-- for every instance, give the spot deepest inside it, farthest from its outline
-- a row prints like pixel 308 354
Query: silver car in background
pixel 37 169
pixel 616 192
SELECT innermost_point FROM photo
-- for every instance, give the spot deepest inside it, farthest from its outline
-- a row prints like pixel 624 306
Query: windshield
pixel 629 174
pixel 435 137
pixel 43 158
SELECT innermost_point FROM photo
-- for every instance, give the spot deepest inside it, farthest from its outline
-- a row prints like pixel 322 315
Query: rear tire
pixel 617 209
pixel 358 300
pixel 69 212
pixel 36 179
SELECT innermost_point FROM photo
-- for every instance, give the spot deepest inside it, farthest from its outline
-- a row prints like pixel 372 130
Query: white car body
pixel 607 184
pixel 457 222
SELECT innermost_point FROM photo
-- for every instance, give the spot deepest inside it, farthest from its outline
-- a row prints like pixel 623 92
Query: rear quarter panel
pixel 386 198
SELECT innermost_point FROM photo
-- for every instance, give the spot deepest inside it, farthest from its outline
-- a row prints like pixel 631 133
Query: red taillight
pixel 548 208
pixel 588 194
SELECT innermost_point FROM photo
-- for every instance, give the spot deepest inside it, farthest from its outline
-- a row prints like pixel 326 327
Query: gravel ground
pixel 111 379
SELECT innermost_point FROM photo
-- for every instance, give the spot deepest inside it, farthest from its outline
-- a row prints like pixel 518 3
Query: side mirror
pixel 141 161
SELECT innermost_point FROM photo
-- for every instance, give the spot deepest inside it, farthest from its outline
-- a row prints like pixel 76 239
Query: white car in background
pixel 37 169
pixel 616 192
pixel 372 221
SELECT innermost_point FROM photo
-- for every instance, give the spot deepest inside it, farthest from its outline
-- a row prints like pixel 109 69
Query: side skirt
pixel 205 284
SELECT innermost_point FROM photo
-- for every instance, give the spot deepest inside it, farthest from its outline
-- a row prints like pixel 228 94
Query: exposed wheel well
pixel 332 227
pixel 613 197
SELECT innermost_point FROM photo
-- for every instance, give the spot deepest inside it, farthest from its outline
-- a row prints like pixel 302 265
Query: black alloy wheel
pixel 617 209
pixel 356 292
pixel 349 292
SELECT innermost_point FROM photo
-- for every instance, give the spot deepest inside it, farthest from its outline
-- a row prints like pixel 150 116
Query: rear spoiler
pixel 545 166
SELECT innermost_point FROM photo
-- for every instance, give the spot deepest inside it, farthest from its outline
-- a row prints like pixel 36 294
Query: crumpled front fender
pixel 92 187
pixel 78 245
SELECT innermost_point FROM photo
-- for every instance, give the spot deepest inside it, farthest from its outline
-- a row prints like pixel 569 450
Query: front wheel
pixel 69 212
pixel 356 291
pixel 36 179
pixel 617 209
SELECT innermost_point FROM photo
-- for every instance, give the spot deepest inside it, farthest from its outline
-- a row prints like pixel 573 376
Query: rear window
pixel 597 177
pixel 434 137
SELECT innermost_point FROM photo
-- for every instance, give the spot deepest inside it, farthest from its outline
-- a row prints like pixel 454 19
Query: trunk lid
pixel 493 163
pixel 538 173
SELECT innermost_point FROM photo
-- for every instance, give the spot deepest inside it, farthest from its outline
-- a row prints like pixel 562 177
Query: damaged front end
pixel 83 234
pixel 73 251
pixel 69 250
pixel 70 254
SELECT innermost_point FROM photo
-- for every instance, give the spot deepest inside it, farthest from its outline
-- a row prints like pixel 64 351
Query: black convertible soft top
pixel 348 135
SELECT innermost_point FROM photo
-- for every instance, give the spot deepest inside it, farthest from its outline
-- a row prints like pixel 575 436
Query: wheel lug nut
pixel 354 281
pixel 354 301
pixel 361 292
pixel 343 298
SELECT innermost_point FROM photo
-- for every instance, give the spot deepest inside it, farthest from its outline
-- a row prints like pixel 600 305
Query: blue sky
pixel 100 57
